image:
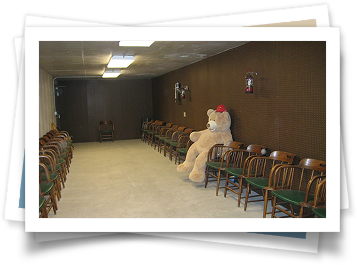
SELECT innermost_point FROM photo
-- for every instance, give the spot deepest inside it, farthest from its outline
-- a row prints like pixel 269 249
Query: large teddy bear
pixel 217 132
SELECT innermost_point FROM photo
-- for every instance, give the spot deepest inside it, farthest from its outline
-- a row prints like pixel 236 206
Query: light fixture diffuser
pixel 119 61
pixel 136 43
pixel 111 73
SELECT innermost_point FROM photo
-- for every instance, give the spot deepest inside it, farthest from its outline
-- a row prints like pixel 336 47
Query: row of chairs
pixel 55 156
pixel 294 190
pixel 170 139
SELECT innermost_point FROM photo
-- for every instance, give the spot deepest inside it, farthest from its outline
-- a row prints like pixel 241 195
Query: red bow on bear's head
pixel 221 108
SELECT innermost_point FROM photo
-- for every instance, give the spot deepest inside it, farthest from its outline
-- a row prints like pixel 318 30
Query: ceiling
pixel 88 59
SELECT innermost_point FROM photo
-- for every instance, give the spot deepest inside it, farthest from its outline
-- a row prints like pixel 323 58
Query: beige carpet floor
pixel 129 179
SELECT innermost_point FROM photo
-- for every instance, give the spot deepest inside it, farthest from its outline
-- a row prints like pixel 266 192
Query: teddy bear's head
pixel 219 119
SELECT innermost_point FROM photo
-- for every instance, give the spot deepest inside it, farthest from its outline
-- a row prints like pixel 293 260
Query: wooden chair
pixel 144 128
pixel 63 134
pixel 294 187
pixel 171 138
pixel 165 134
pixel 150 130
pixel 47 190
pixel 217 161
pixel 154 130
pixel 106 130
pixel 181 152
pixel 59 157
pixel 159 133
pixel 237 172
pixel 53 176
pixel 319 207
pixel 175 141
pixel 259 170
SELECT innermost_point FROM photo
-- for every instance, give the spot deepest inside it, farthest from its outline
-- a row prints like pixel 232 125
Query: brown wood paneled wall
pixel 287 110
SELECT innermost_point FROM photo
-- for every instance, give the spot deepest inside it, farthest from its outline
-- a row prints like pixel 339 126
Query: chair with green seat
pixel 165 134
pixel 160 131
pixel 217 161
pixel 155 130
pixel 319 207
pixel 144 128
pixel 53 137
pixel 149 131
pixel 176 143
pixel 63 151
pixel 236 173
pixel 259 182
pixel 171 139
pixel 106 130
pixel 53 176
pixel 65 133
pixel 47 190
pixel 294 188
pixel 59 163
pixel 182 152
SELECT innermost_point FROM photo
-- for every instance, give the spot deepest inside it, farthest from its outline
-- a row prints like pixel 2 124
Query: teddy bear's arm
pixel 195 135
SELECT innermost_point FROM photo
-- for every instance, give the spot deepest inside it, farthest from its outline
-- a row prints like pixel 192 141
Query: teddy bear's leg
pixel 198 172
pixel 187 166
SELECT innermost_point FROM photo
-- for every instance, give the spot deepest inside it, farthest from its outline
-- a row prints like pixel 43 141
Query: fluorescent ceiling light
pixel 111 73
pixel 118 61
pixel 136 43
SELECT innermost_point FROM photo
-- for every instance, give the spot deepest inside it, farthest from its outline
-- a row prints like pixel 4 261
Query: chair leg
pixel 240 190
pixel 273 207
pixel 265 203
pixel 301 214
pixel 246 197
pixel 206 177
pixel 218 181
pixel 225 186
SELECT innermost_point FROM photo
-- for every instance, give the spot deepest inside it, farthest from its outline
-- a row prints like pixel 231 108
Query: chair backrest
pixel 54 127
pixel 175 135
pixel 106 126
pixel 188 131
pixel 218 151
pixel 297 177
pixel 261 166
pixel 320 194
pixel 45 170
pixel 239 157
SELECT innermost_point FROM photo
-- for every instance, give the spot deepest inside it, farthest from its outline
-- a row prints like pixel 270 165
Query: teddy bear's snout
pixel 212 125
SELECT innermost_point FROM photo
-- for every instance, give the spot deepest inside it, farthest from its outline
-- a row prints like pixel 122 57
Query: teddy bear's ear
pixel 209 112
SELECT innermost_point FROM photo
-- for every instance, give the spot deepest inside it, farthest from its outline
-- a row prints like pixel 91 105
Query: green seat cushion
pixel 320 212
pixel 235 171
pixel 182 150
pixel 174 143
pixel 292 196
pixel 46 187
pixel 57 167
pixel 258 182
pixel 42 202
pixel 157 135
pixel 53 176
pixel 215 165
pixel 106 131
